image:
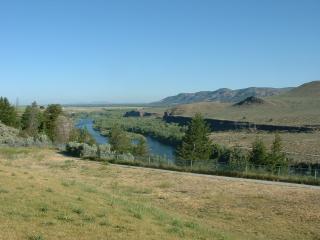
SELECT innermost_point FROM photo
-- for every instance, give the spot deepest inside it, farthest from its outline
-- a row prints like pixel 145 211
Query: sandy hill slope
pixel 8 134
pixel 307 90
pixel 11 137
pixel 299 106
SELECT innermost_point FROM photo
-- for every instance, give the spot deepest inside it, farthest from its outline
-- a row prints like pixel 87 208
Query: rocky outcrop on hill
pixel 250 101
pixel 227 125
pixel 139 113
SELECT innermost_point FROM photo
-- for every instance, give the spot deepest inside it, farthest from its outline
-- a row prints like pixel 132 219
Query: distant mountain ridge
pixel 221 95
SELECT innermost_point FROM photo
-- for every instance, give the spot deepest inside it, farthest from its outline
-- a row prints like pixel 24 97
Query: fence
pixel 293 173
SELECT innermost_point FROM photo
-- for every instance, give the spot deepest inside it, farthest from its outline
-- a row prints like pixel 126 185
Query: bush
pixel 125 157
pixel 104 152
pixel 82 150
pixel 11 137
pixel 258 155
pixel 74 149
pixel 89 151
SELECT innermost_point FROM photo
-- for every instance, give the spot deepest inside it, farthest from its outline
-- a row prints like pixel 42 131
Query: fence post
pixel 149 159
pixel 246 168
pixel 315 174
pixel 279 169
pixel 191 164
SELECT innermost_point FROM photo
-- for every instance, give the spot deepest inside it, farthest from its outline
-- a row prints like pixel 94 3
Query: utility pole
pixel 17 103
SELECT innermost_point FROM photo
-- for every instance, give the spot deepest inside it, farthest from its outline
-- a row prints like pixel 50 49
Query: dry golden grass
pixel 276 110
pixel 301 146
pixel 44 195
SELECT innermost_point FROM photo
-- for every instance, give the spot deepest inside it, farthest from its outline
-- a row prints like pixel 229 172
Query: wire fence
pixel 309 174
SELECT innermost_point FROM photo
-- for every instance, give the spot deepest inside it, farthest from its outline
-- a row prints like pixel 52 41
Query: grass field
pixel 45 195
pixel 276 111
pixel 302 147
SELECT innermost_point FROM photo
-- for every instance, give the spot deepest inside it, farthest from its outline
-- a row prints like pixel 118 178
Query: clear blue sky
pixel 142 50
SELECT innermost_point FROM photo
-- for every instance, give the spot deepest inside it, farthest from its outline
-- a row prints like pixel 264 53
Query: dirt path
pixel 233 179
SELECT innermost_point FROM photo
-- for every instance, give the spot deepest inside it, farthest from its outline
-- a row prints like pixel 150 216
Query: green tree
pixel 32 120
pixel 51 115
pixel 238 158
pixel 141 148
pixel 258 153
pixel 81 136
pixel 196 144
pixel 277 157
pixel 8 113
pixel 119 140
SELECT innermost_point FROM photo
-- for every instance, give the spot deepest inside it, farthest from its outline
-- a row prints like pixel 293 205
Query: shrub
pixel 258 153
pixel 74 149
pixel 104 152
pixel 82 150
pixel 89 151
pixel 125 157
pixel 11 137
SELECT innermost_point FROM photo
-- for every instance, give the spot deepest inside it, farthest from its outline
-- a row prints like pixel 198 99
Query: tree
pixel 238 158
pixel 196 144
pixel 51 114
pixel 63 128
pixel 258 153
pixel 277 157
pixel 32 120
pixel 81 136
pixel 141 148
pixel 119 140
pixel 8 113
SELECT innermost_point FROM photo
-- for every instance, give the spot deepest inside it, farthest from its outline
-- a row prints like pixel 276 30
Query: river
pixel 155 147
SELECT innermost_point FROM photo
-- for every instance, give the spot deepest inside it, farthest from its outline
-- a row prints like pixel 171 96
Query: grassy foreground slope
pixel 44 195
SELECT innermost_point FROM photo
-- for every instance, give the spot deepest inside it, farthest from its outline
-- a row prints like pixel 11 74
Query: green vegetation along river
pixel 155 147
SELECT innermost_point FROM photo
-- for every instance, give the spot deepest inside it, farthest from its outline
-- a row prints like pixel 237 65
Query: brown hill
pixel 310 89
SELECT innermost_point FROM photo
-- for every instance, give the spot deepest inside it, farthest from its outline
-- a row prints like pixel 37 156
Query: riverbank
pixel 156 147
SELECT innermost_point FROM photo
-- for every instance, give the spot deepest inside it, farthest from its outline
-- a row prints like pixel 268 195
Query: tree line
pixel 38 120
pixel 196 145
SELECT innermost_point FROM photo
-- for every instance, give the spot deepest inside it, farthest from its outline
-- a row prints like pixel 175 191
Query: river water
pixel 155 147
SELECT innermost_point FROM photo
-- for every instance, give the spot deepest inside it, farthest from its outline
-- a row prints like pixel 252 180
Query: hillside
pixel 307 90
pixel 11 137
pixel 299 106
pixel 45 195
pixel 221 95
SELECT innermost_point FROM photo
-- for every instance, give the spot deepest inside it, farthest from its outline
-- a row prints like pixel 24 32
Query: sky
pixel 134 51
